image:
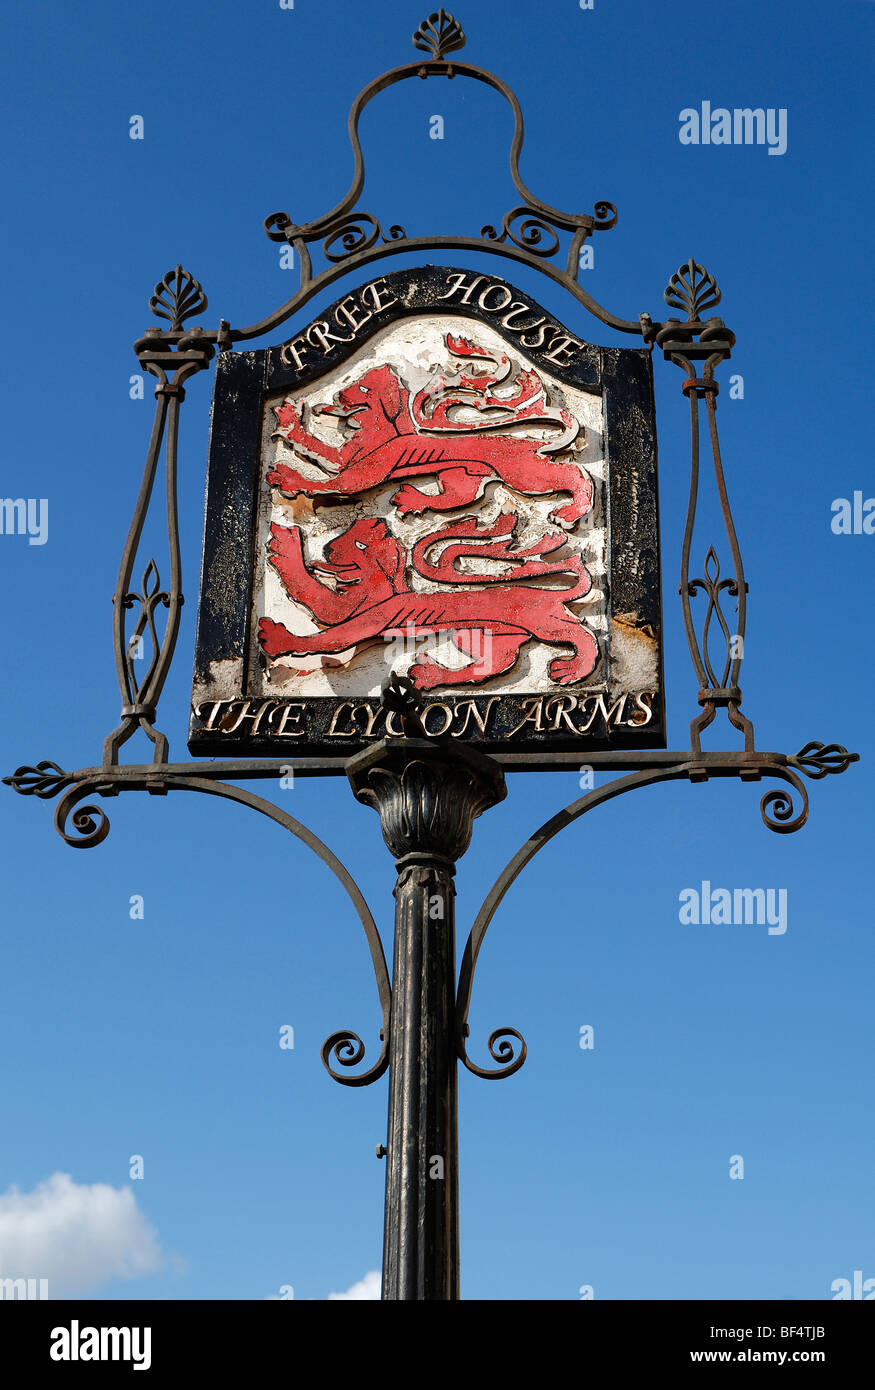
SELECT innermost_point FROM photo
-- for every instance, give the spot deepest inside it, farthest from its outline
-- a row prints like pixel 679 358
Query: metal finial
pixel 693 289
pixel 439 35
pixel 177 297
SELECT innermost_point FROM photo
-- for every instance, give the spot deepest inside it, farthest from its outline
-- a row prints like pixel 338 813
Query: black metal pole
pixel 427 796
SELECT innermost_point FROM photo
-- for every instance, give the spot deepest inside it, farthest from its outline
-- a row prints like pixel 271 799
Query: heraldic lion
pixel 458 428
pixel 368 597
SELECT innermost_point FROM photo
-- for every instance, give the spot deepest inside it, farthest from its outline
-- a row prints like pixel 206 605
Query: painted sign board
pixel 436 479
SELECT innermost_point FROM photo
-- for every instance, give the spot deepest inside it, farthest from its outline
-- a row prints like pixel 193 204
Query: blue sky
pixel 159 1036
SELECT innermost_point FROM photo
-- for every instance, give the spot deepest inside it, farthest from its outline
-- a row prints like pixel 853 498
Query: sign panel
pixel 436 479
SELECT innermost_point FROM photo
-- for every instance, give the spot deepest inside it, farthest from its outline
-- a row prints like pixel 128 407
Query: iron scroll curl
pixel 506 878
pixel 91 825
pixel 529 231
pixel 780 812
pixel 351 238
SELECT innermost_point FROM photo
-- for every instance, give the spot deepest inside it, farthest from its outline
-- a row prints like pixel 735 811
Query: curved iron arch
pixel 362 247
pixel 91 825
pixel 776 808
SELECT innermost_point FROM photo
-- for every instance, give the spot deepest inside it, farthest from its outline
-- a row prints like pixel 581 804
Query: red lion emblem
pixel 373 598
pixel 399 438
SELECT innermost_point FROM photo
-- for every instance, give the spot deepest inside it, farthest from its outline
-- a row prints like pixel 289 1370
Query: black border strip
pixel 624 378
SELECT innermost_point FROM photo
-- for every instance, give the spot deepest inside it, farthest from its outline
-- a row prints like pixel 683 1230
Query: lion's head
pixel 365 547
pixel 377 391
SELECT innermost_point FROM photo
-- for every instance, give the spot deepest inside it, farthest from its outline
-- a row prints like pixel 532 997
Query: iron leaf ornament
pixel 177 297
pixel 45 780
pixel 693 289
pixel 439 35
pixel 816 760
pixel 400 695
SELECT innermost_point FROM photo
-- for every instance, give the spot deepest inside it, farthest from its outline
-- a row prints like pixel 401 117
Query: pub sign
pixel 433 479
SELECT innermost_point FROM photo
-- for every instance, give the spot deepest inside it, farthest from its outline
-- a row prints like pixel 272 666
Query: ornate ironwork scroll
pixel 90 827
pixel 172 357
pixel 709 340
pixel 533 233
pixel 779 813
pixel 351 237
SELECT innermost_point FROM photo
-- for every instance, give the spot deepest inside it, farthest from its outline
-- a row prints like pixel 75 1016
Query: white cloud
pixel 76 1235
pixel 366 1288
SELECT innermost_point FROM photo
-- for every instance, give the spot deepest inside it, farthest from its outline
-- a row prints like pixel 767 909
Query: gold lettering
pixel 644 708
pixel 539 341
pixel 323 333
pixel 563 704
pixel 374 288
pixel 210 721
pixel 480 720
pixel 561 343
pixel 333 731
pixel 534 710
pixel 290 348
pixel 618 705
pixel 599 708
pixel 372 715
pixel 448 719
pixel 519 308
pixel 493 308
pixel 225 726
pixel 459 284
pixel 390 725
pixel 288 712
pixel 350 313
pixel 265 706
pixel 592 716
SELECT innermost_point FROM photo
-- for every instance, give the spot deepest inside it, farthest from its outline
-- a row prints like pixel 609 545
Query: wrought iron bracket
pixel 90 826
pixel 350 238
pixel 777 807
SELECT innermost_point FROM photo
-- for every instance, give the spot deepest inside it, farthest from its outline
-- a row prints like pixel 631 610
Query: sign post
pixel 431 556
pixel 427 798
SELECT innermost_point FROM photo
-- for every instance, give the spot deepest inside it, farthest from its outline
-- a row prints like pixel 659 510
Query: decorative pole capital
pixel 694 290
pixel 426 794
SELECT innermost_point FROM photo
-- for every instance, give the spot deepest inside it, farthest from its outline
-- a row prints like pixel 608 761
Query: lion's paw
pixel 427 674
pixel 409 499
pixel 564 672
pixel 287 480
pixel 288 416
pixel 275 639
pixel 567 516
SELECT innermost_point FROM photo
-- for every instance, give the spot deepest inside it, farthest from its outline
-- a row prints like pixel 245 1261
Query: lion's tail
pixel 495 543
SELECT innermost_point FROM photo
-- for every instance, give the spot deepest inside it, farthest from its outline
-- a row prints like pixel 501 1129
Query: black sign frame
pixel 241 724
